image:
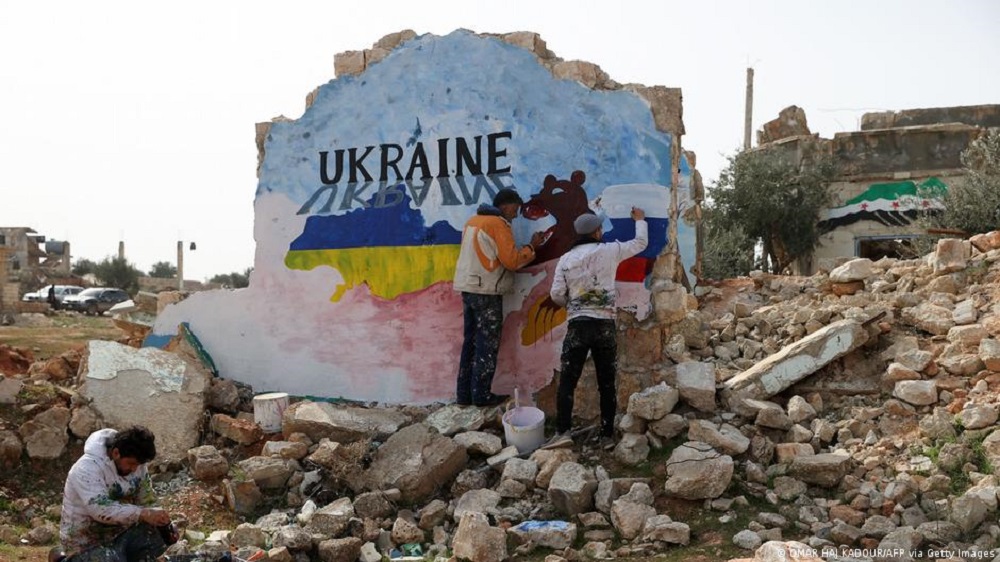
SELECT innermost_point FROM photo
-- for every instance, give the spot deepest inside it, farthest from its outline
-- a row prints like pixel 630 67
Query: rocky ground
pixel 851 415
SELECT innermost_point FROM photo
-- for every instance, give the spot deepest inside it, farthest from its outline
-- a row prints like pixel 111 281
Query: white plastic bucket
pixel 524 428
pixel 268 409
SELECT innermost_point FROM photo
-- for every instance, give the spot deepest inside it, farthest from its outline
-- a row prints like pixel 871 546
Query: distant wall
pixel 361 202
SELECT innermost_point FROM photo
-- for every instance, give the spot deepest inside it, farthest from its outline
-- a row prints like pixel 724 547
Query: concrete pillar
pixel 180 265
pixel 3 274
pixel 748 116
pixel 121 249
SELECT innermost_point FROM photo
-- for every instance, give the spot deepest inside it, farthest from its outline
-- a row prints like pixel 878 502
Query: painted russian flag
pixel 616 204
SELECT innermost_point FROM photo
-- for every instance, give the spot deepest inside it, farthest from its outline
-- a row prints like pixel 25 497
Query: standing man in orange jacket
pixel 483 274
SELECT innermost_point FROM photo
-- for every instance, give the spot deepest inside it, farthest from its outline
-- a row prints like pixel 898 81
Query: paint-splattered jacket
pixel 489 255
pixel 584 280
pixel 97 502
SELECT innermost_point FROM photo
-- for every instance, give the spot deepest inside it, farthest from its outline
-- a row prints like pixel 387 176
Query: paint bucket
pixel 268 409
pixel 524 426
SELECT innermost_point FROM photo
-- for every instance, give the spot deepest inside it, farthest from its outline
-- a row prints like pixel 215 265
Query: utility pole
pixel 180 265
pixel 748 116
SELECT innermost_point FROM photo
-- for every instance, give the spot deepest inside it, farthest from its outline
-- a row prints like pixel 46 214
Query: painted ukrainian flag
pixel 390 249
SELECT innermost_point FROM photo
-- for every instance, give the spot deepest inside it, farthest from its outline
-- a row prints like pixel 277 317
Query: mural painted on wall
pixel 889 204
pixel 360 206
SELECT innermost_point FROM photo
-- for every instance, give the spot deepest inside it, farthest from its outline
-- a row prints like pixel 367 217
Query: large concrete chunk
pixel 477 541
pixel 794 363
pixel 572 488
pixel 826 470
pixel 696 471
pixel 417 460
pixel 45 435
pixel 340 424
pixel 149 387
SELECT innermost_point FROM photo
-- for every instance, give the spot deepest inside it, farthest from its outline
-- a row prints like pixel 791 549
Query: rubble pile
pixel 851 415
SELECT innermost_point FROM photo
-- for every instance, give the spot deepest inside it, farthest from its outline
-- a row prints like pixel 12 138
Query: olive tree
pixel 774 199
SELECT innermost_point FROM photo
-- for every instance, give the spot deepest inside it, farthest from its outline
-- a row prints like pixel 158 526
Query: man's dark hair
pixel 136 442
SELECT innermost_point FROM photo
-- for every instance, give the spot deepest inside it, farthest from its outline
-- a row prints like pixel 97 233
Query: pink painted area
pixel 528 367
pixel 365 336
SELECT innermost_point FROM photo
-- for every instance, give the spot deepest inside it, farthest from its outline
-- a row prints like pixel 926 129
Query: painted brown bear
pixel 564 201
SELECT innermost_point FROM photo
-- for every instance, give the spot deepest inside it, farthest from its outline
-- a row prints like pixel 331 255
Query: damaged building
pixel 894 168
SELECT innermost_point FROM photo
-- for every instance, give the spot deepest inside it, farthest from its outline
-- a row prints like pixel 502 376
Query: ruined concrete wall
pixel 890 151
pixel 361 202
pixel 976 115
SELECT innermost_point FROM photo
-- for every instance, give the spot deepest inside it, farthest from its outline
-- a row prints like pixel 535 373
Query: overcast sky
pixel 128 121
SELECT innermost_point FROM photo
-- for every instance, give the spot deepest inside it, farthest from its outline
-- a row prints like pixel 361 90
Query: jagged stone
pixel 11 450
pixel 572 488
pixel 45 435
pixel 242 497
pixel 331 520
pixel 269 473
pixel 405 530
pixel 476 501
pixel 747 540
pixel 84 421
pixel 929 317
pixel 9 389
pixel 799 410
pixel 725 438
pixel 915 359
pixel 697 471
pixel 453 419
pixel 207 463
pixel 547 534
pixel 826 469
pixel 950 255
pixel 372 505
pixel 918 393
pixel 342 424
pixel 788 452
pixel 476 541
pixel 479 442
pixel 432 515
pixel 855 270
pixel 978 416
pixel 242 431
pixel 285 449
pixel 989 353
pixel 417 460
pixel 548 462
pixel 696 384
pixel 223 395
pixel 340 550
pixel 629 517
pixel 668 427
pixel 521 470
pixel 632 449
pixel 654 402
pixel 661 528
pixel 968 511
pixel 248 534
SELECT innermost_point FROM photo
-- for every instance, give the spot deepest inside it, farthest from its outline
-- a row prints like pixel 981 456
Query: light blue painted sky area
pixel 135 121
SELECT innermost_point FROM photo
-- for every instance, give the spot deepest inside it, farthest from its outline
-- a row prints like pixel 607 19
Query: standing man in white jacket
pixel 584 283
pixel 106 512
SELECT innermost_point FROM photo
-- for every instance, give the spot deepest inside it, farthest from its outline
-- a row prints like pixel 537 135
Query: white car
pixel 61 292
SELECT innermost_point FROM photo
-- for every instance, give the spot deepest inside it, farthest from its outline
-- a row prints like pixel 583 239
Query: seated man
pixel 105 513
